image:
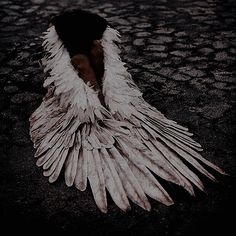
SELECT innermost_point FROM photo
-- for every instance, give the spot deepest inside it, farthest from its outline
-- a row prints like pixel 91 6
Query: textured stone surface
pixel 214 110
pixel 182 56
pixel 25 97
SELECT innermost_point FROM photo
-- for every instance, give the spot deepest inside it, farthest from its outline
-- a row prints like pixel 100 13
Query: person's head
pixel 77 29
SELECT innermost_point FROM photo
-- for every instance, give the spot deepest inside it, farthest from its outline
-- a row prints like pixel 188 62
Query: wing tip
pixel 80 186
pixel 168 202
pixel 190 190
pixel 147 206
pixel 52 178
pixel 221 171
pixel 127 208
pixel 103 210
pixel 69 182
pixel 39 162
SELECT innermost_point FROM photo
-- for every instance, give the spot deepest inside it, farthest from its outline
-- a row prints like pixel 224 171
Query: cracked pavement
pixel 182 55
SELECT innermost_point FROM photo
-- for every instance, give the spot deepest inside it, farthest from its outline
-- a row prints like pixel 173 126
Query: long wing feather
pixel 82 171
pixel 113 182
pixel 131 185
pixel 96 179
pixel 72 162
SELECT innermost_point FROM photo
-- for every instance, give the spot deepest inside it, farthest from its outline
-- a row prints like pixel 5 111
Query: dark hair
pixel 78 28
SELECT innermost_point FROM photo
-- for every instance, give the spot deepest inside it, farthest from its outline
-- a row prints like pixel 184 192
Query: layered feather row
pixel 115 149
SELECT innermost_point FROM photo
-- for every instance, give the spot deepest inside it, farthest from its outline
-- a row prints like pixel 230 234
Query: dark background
pixel 182 56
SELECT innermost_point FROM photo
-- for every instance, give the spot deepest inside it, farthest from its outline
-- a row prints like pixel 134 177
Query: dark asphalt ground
pixel 182 55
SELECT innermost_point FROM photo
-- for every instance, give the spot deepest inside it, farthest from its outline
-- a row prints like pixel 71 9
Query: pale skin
pixel 91 67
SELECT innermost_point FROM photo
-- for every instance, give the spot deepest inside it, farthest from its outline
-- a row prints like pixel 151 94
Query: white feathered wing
pixel 169 143
pixel 116 149
pixel 73 132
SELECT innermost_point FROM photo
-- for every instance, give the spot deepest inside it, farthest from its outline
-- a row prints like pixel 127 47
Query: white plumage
pixel 114 148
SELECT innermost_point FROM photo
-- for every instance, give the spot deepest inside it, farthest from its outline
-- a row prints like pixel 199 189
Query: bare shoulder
pixel 96 49
pixel 80 62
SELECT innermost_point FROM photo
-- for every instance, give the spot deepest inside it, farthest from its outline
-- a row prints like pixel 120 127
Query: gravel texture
pixel 182 55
